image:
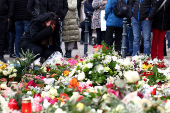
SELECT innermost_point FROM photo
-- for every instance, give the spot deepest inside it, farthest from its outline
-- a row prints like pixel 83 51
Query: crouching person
pixel 42 36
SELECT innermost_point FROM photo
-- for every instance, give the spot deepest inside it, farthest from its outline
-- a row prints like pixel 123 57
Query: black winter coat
pixel 18 10
pixel 142 9
pixel 37 7
pixel 4 8
pixel 161 20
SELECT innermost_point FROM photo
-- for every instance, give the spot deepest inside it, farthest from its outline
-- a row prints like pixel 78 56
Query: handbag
pixel 82 14
pixel 162 5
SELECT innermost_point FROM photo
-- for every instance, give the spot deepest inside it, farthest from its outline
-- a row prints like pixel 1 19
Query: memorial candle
pixel 26 105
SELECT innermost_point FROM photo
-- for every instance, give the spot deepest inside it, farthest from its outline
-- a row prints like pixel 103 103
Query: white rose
pixel 114 58
pixel 59 110
pixel 14 70
pixel 108 58
pixel 3 86
pixel 9 70
pixel 141 83
pixel 5 73
pixel 136 100
pixel 167 105
pixel 131 76
pixel 46 104
pixel 127 62
pixel 81 76
pixel 44 94
pixel 119 108
pixel 100 68
pixel 74 97
pixel 120 61
pixel 89 65
pixel 14 75
pixel 117 67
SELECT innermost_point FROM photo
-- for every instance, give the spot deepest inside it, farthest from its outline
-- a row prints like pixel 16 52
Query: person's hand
pixel 8 19
pixel 104 2
pixel 147 19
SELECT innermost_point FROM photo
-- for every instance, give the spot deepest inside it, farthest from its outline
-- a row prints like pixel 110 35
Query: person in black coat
pixel 4 18
pixel 42 36
pixel 160 25
pixel 38 7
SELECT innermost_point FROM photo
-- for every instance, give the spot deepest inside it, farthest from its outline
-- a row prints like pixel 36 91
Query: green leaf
pixel 92 95
pixel 61 90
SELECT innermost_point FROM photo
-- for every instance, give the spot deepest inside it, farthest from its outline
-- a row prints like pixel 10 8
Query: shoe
pixel 12 56
pixel 81 42
pixel 2 59
pixel 68 54
pixel 65 55
pixel 129 54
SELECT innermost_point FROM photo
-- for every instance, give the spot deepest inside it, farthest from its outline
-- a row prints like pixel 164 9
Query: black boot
pixel 90 40
pixel 68 54
pixel 2 59
pixel 65 55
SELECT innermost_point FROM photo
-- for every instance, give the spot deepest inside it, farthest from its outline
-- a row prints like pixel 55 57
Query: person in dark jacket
pixel 160 25
pixel 18 12
pixel 42 36
pixel 37 7
pixel 4 17
pixel 113 24
pixel 143 12
pixel 88 9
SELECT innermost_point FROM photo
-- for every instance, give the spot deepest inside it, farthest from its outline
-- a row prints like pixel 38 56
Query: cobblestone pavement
pixel 80 52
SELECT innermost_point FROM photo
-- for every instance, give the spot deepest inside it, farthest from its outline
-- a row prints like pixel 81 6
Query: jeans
pixel 12 39
pixel 168 38
pixel 129 40
pixel 20 28
pixel 145 25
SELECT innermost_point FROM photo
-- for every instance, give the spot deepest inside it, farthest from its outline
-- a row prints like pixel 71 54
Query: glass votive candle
pixel 14 85
pixel 26 105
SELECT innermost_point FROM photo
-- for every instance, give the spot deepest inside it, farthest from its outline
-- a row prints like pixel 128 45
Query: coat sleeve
pixel 30 6
pixel 108 8
pixel 97 3
pixel 38 34
pixel 63 12
pixel 130 4
pixel 72 5
pixel 154 9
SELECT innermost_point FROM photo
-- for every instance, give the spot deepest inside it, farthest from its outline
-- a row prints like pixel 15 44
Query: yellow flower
pixel 80 106
pixel 144 66
pixel 66 73
pixel 145 104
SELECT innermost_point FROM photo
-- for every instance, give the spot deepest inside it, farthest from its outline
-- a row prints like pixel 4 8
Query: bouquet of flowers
pixel 38 79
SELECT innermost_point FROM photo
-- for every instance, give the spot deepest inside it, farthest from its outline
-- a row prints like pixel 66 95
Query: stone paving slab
pixel 80 51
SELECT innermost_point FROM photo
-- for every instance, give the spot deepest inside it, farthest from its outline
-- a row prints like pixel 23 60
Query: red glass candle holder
pixel 26 105
pixel 13 104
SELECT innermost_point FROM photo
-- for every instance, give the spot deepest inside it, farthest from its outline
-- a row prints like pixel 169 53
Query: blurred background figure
pixel 70 32
pixel 98 5
pixel 18 12
pixel 88 9
pixel 160 25
pixel 4 18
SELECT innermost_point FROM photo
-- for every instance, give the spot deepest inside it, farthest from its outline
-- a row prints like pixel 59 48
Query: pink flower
pixel 42 77
pixel 116 93
pixel 31 83
pixel 72 62
pixel 50 100
pixel 36 107
pixel 81 59
pixel 109 85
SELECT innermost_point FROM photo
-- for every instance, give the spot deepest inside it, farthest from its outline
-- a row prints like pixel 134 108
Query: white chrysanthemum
pixel 131 76
pixel 117 67
pixel 81 76
pixel 89 65
pixel 127 62
pixel 120 61
pixel 114 58
pixel 106 69
pixel 100 68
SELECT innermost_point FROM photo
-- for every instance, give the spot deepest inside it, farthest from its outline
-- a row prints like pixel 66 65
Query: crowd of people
pixel 42 25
